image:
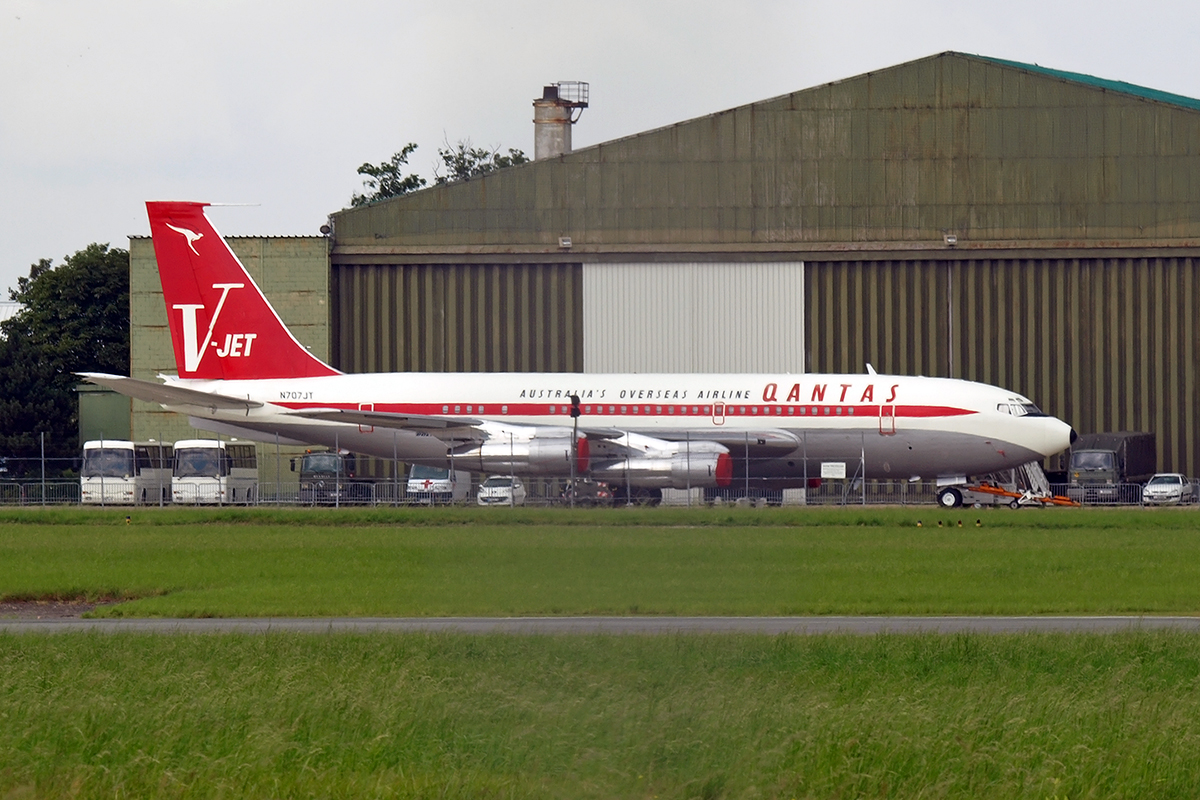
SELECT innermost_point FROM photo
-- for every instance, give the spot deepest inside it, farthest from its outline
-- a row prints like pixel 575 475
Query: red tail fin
pixel 221 324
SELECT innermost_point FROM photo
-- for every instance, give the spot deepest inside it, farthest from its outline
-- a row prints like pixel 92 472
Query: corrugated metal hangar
pixel 953 216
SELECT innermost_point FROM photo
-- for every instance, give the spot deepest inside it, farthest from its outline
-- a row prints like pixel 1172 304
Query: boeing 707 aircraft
pixel 241 372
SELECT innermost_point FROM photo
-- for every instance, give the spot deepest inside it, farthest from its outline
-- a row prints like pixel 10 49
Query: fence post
pixel 747 466
pixel 689 468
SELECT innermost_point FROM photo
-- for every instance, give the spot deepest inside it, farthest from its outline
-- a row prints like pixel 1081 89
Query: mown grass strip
pixel 716 517
pixel 497 565
pixel 693 716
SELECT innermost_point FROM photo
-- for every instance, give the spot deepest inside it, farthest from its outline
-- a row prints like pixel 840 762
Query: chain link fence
pixel 21 484
pixel 358 494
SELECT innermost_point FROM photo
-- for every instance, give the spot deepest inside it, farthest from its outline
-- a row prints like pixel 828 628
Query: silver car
pixel 501 490
pixel 1167 487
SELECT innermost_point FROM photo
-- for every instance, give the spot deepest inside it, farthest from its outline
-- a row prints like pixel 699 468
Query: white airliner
pixel 242 373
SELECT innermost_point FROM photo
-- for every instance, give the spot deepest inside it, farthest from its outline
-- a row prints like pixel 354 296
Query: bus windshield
pixel 198 462
pixel 107 462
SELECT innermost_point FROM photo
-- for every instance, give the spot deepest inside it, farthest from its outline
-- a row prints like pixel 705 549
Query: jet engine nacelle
pixel 538 455
pixel 678 471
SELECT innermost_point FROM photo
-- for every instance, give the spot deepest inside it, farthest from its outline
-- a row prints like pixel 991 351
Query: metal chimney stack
pixel 559 107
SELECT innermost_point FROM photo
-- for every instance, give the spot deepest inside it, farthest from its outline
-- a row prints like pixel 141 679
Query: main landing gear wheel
pixel 1014 504
pixel 950 497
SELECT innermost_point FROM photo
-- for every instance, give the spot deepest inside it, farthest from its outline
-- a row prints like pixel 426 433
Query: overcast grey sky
pixel 105 104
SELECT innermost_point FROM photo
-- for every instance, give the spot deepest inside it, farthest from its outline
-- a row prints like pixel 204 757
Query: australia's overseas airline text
pixel 771 393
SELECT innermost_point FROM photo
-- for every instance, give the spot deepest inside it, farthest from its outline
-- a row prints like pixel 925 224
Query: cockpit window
pixel 1020 409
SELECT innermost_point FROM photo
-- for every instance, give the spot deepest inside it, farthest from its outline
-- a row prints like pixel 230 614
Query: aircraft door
pixel 887 419
pixel 366 407
pixel 718 413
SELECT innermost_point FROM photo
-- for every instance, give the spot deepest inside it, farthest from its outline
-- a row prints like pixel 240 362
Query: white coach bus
pixel 121 472
pixel 212 471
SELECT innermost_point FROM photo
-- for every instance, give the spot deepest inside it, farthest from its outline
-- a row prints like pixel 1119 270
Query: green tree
pixel 75 318
pixel 462 161
pixel 387 179
pixel 459 162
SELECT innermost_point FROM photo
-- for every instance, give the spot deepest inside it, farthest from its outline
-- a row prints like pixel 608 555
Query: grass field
pixel 493 562
pixel 674 717
pixel 412 715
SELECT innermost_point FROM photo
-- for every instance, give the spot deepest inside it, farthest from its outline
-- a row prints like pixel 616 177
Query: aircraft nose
pixel 1064 435
pixel 1057 436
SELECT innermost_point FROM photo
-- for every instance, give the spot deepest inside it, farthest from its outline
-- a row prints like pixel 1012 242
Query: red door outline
pixel 887 420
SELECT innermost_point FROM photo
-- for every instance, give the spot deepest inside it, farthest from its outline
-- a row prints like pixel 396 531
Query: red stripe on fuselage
pixel 788 411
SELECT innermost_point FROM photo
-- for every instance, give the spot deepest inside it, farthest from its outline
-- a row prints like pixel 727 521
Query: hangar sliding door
pixel 693 317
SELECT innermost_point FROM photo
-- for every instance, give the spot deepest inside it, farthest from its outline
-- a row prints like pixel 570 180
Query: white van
pixel 433 485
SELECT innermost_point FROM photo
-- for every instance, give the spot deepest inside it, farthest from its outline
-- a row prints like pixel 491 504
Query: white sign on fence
pixel 833 469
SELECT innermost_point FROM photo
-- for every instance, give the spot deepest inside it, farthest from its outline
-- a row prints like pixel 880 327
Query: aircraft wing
pixel 766 443
pixel 601 434
pixel 165 393
pixel 385 419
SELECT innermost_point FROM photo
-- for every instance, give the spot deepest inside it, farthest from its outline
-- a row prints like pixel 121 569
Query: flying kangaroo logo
pixel 236 345
pixel 191 236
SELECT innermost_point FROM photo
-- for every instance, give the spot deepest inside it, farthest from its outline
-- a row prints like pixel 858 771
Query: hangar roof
pixel 1112 86
pixel 997 153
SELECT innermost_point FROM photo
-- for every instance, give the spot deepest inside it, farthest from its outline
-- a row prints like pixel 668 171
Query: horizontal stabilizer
pixel 166 394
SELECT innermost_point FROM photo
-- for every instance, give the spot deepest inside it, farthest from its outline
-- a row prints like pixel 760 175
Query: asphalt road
pixel 612 625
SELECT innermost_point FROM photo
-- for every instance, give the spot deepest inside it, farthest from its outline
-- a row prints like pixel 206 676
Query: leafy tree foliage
pixel 463 162
pixel 387 179
pixel 459 162
pixel 75 319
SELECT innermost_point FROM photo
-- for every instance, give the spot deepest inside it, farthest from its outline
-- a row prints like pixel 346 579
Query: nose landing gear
pixel 950 497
